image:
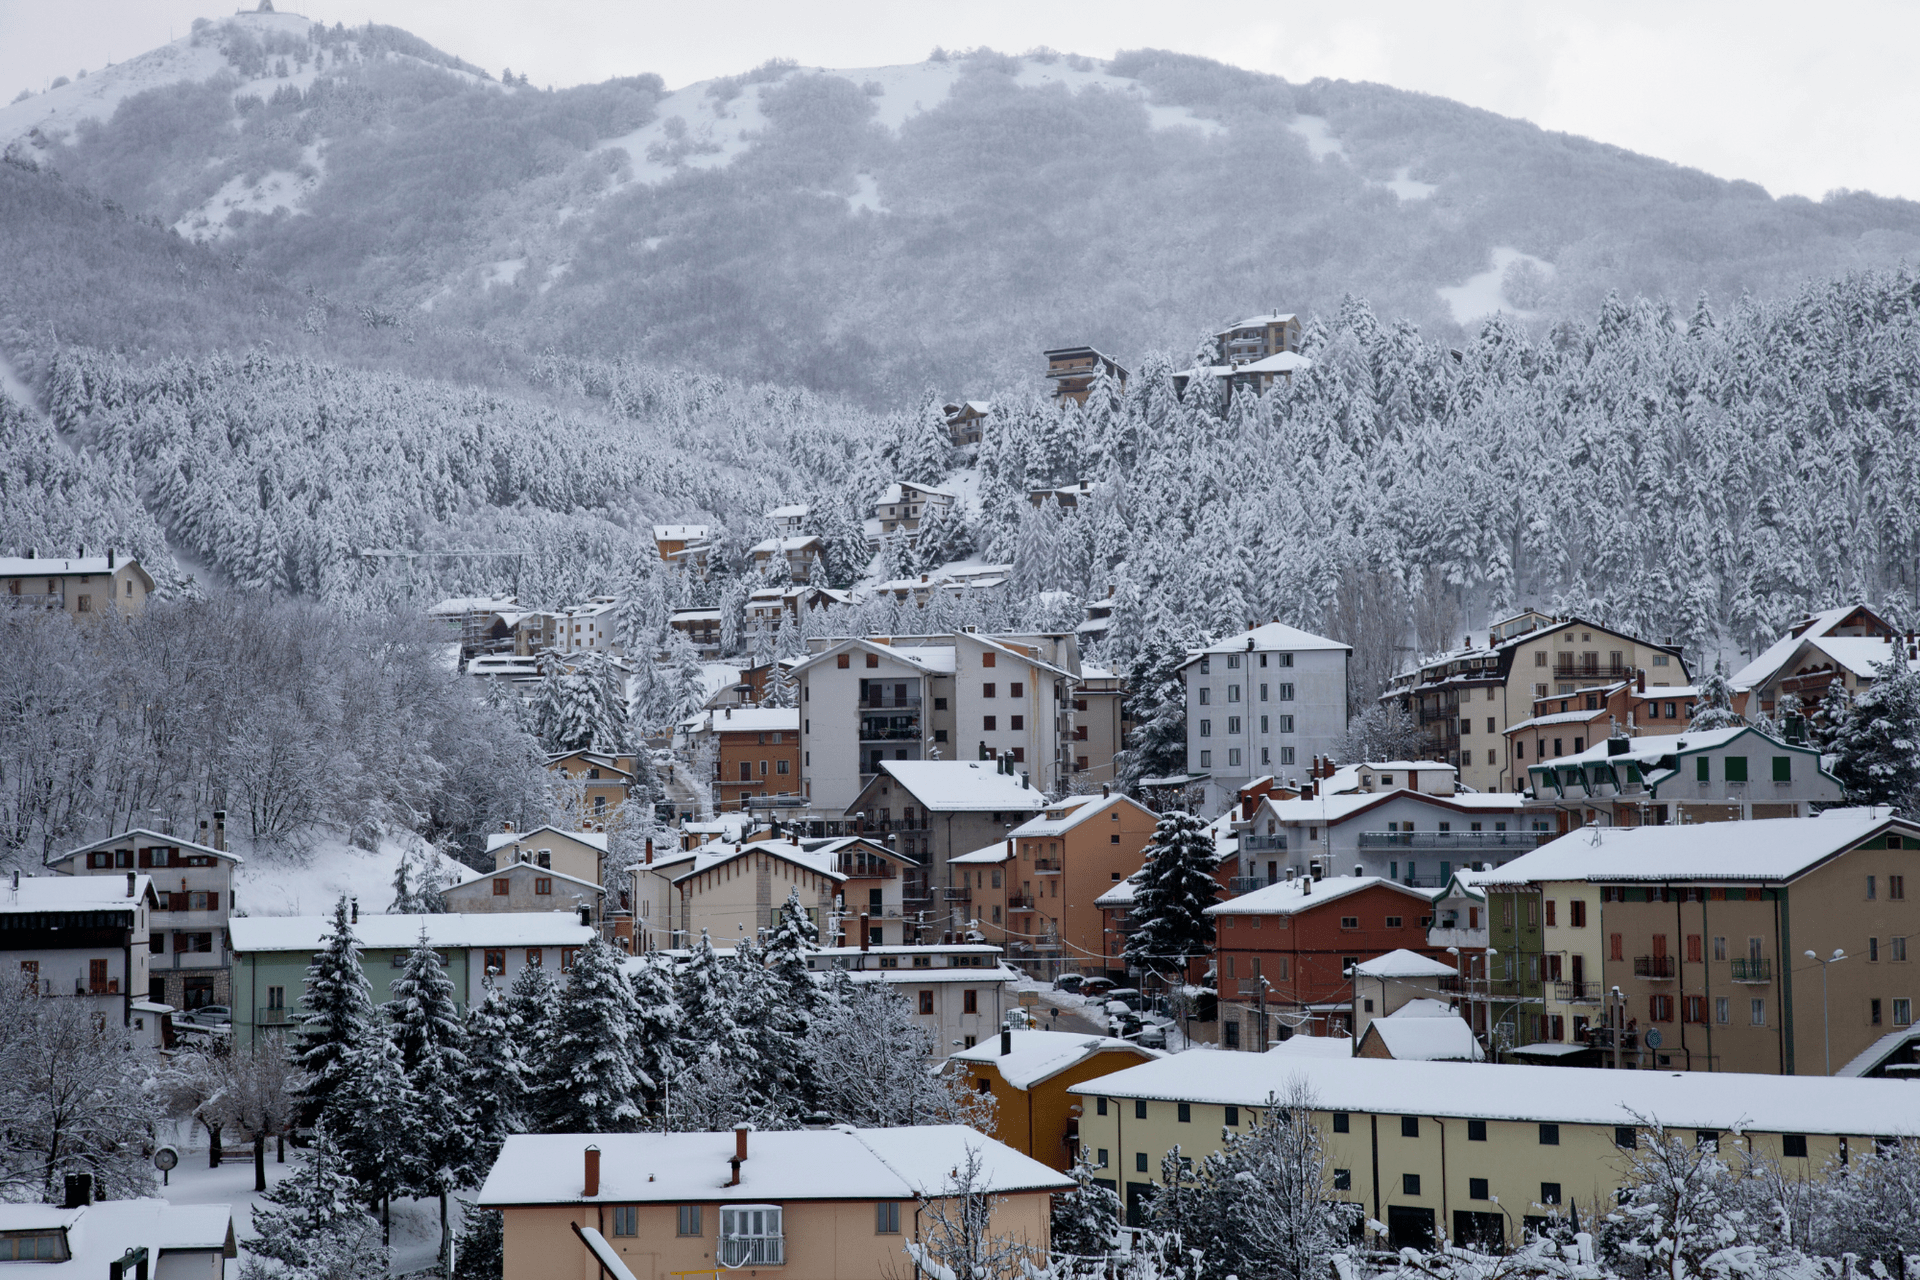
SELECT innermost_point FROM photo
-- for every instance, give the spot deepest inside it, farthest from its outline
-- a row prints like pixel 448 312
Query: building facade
pixel 1262 702
pixel 79 586
pixel 80 938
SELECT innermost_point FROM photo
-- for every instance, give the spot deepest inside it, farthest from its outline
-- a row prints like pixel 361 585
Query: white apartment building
pixel 1262 702
pixel 959 992
pixel 79 937
pixel 966 696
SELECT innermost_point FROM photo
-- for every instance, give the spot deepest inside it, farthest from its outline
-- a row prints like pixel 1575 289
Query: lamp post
pixel 1826 1033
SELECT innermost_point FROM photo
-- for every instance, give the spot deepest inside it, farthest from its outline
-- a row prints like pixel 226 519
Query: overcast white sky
pixel 1799 99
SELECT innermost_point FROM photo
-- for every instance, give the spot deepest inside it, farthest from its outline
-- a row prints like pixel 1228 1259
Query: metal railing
pixel 1263 844
pixel 1046 864
pixel 1020 902
pixel 1753 971
pixel 1577 992
pixel 1656 967
pixel 273 1016
pixel 756 1251
pixel 1453 839
pixel 1247 884
pixel 870 733
pixel 890 703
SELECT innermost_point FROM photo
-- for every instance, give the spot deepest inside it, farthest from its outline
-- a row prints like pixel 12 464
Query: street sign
pixel 1653 1037
pixel 1029 998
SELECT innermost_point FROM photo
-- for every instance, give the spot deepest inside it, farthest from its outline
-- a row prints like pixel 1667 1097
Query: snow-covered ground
pixel 284 189
pixel 1407 188
pixel 309 883
pixel 1320 140
pixel 1483 294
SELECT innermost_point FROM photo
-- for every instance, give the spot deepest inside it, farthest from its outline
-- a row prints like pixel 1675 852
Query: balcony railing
pixel 1577 992
pixel 887 733
pixel 957 893
pixel 1020 902
pixel 1753 971
pixel 1047 865
pixel 273 1016
pixel 863 869
pixel 890 702
pixel 753 1251
pixel 1453 839
pixel 1263 844
pixel 1247 884
pixel 1657 968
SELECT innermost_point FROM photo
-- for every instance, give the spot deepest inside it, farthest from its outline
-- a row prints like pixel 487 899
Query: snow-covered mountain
pixel 875 231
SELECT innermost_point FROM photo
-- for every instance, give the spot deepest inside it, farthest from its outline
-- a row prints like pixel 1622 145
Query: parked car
pixel 1152 1036
pixel 1069 982
pixel 208 1015
pixel 1096 986
pixel 1127 995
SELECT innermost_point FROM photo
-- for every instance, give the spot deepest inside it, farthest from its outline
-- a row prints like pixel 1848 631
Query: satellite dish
pixel 166 1159
pixel 1653 1038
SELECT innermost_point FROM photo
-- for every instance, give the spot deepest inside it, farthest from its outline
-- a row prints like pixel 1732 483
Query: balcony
pixel 1263 844
pixel 1653 968
pixel 957 893
pixel 1577 992
pixel 753 1251
pixel 867 869
pixel 1518 840
pixel 273 1016
pixel 1247 884
pixel 1590 671
pixel 1020 902
pixel 30 600
pixel 872 732
pixel 1753 971
pixel 1047 866
pixel 890 702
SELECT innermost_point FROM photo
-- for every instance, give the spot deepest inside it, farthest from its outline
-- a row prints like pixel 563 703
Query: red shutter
pixel 213 901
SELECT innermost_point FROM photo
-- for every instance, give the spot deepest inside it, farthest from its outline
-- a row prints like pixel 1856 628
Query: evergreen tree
pixel 433 1053
pixel 311 1222
pixel 1831 716
pixel 656 1031
pixel 587 1082
pixel 1877 751
pixel 1157 694
pixel 1086 1220
pixel 532 1004
pixel 1714 707
pixel 482 1243
pixel 375 1113
pixel 494 1084
pixel 1176 886
pixel 842 530
pixel 339 1015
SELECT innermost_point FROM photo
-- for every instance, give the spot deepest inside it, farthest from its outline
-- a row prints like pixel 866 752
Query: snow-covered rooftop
pixel 1259 322
pixel 142 837
pixel 987 856
pixel 709 856
pixel 101 1233
pixel 1426 1036
pixel 1402 963
pixel 1566 1095
pixel 398 933
pixel 679 532
pixel 746 720
pixel 1331 810
pixel 456 605
pixel 1313 1047
pixel 1121 895
pixel 500 839
pixel 1041 1055
pixel 1273 635
pixel 73 893
pixel 1857 649
pixel 896 493
pixel 41 566
pixel 1278 362
pixel 792 511
pixel 1760 849
pixel 841 1163
pixel 964 786
pixel 525 869
pixel 785 545
pixel 1289 897
pixel 1073 811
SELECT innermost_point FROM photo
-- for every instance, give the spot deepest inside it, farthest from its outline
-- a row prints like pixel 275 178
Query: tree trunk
pixel 280 1152
pixel 446 1237
pixel 213 1146
pixel 386 1221
pixel 260 1162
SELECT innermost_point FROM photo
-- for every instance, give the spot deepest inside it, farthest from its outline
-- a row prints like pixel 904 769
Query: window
pixel 1286 693
pixel 1759 1013
pixel 1552 905
pixel 1549 1193
pixel 1016 690
pixel 1343 1179
pixel 1477 1189
pixel 276 997
pixel 1185 1113
pixel 1722 1010
pixel 1577 913
pixel 1409 1126
pixel 1206 759
pixel 1614 947
pixel 1016 723
pixel 886 1218
pixel 1139 1162
pixel 1233 724
pixel 1902 1013
pixel 986 690
pixel 1873 1013
pixel 1233 662
pixel 1783 768
pixel 1466 726
pixel 626 1220
pixel 1342 1122
pixel 690 1218
pixel 1897 888
pixel 1719 949
pixel 1736 767
pixel 750 1236
pixel 496 960
pixel 1696 1009
pixel 1100 1106
pixel 1793 1146
pixel 1693 948
pixel 34 1246
pixel 970 1001
pixel 1233 693
pixel 567 956
pixel 1233 1116
pixel 926 1002
pixel 988 723
pixel 1233 757
pixel 1349 922
pixel 1206 728
pixel 1626 1137
pixel 1539 657
pixel 1476 1131
pixel 1549 1135
pixel 1205 696
pixel 1102 1158
pixel 1263 698
pixel 1410 1184
pixel 1394 922
pixel 1896 948
pixel 1701 769
pixel 1871 891
pixel 1139 1109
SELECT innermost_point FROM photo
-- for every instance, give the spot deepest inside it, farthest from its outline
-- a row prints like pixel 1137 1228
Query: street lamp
pixel 1825 1032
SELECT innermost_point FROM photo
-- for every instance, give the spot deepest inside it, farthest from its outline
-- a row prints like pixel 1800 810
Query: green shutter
pixel 1700 769
pixel 1783 768
pixel 1736 768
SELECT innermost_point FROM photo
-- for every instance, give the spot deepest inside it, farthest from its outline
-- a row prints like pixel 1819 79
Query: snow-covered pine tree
pixel 586 1079
pixel 842 530
pixel 1176 886
pixel 312 1221
pixel 1263 1197
pixel 532 1002
pixel 684 689
pixel 869 1057
pixel 433 1052
pixel 494 1084
pixel 656 1031
pixel 550 702
pixel 375 1116
pixel 482 1243
pixel 1831 715
pixel 790 942
pixel 1157 694
pixel 706 1006
pixel 339 1015
pixel 1714 708
pixel 1878 748
pixel 925 452
pixel 1086 1220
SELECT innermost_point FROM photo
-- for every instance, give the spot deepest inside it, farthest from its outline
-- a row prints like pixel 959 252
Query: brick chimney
pixel 593 1171
pixel 866 932
pixel 220 830
pixel 739 1153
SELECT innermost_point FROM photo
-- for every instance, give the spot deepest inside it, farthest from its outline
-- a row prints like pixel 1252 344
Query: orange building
pixel 756 752
pixel 604 780
pixel 1029 1072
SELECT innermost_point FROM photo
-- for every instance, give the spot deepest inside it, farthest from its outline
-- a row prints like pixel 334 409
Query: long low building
pixel 271 954
pixel 1484 1149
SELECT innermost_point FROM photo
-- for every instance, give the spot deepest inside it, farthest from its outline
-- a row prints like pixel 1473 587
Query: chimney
pixel 1359 870
pixel 79 1190
pixel 593 1171
pixel 866 932
pixel 1641 683
pixel 586 915
pixel 1106 792
pixel 1306 886
pixel 649 850
pixel 109 557
pixel 506 826
pixel 220 830
pixel 130 881
pixel 739 1153
pixel 1006 1041
pixel 353 906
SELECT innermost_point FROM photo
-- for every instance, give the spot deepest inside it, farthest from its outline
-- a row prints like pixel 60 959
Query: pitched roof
pixel 1767 664
pixel 74 893
pixel 746 720
pixel 144 836
pixel 841 1163
pixel 499 839
pixel 1290 897
pixel 1426 1037
pixel 1073 811
pixel 1568 1095
pixel 1773 849
pixel 1041 1055
pixel 679 532
pixel 963 786
pixel 985 856
pixel 101 1233
pixel 1278 362
pixel 49 566
pixel 1402 963
pixel 708 856
pixel 1272 635
pixel 399 933
pixel 524 868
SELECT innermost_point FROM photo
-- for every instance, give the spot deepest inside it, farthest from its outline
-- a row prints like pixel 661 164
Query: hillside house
pixel 1410 837
pixel 1260 702
pixel 1385 984
pixel 756 752
pixel 1424 1030
pixel 1072 370
pixel 701 627
pixel 791 520
pixel 79 585
pixel 903 505
pixel 580 854
pixel 605 780
pixel 967 420
pixel 686 544
pixel 803 552
pixel 80 937
pixel 1029 1072
pixel 959 992
pixel 1060 863
pixel 1465 700
pixel 1569 723
pixel 522 886
pixel 92 1237
pixel 1847 644
pixel 1713 775
pixel 190 956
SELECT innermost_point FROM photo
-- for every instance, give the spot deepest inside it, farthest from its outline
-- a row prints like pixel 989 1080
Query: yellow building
pixel 580 854
pixel 1475 1149
pixel 824 1204
pixel 1029 1074
pixel 79 586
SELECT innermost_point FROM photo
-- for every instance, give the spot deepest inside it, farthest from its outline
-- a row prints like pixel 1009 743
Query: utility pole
pixel 1826 1031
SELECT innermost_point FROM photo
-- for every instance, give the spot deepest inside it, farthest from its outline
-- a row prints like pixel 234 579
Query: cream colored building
pixel 522 886
pixel 732 891
pixel 1474 1149
pixel 824 1204
pixel 1466 700
pixel 79 586
pixel 580 854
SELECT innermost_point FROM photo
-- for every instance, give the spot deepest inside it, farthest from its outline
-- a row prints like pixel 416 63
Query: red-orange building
pixel 1282 953
pixel 756 752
